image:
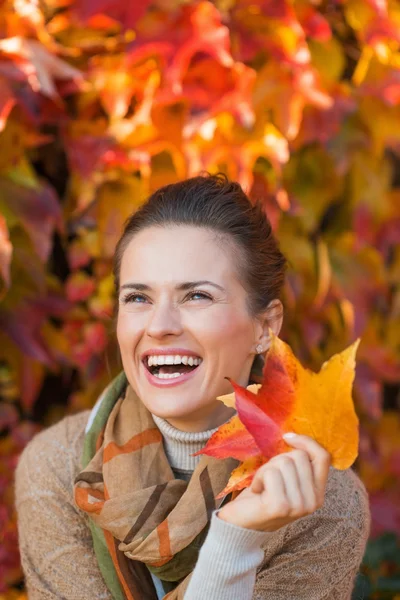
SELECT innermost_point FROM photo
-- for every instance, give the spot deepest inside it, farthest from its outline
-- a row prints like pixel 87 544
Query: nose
pixel 164 320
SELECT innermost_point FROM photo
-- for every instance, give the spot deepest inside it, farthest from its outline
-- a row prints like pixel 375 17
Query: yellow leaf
pixel 230 399
pixel 323 407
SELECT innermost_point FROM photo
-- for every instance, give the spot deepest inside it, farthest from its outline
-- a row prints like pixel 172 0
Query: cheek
pixel 224 328
pixel 129 326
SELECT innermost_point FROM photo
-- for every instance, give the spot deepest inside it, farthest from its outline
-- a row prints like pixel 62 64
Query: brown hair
pixel 215 203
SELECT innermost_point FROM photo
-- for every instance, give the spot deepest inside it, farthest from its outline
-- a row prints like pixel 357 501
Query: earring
pixel 259 348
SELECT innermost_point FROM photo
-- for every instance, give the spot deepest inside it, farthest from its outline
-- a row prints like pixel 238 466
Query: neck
pixel 202 422
pixel 180 445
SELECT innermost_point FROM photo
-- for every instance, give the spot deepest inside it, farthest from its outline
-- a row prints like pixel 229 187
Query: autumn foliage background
pixel 101 102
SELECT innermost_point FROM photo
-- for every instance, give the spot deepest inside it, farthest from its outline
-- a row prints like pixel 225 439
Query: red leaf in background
pixel 207 36
pixel 85 152
pixel 95 336
pixel 7 101
pixel 5 254
pixel 38 210
pixel 40 66
pixel 385 512
pixel 383 362
pixel 23 433
pixel 78 255
pixel 9 416
pixel 314 23
pixel 121 11
pixel 24 325
pixel 235 98
pixel 79 287
pixel 369 390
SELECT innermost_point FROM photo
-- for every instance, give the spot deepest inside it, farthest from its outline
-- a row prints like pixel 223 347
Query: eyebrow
pixel 187 285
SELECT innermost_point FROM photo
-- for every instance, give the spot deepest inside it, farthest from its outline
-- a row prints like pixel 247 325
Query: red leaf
pixel 40 66
pixel 38 210
pixel 385 512
pixel 315 25
pixel 231 440
pixel 252 413
pixel 121 11
pixel 79 287
pixel 7 101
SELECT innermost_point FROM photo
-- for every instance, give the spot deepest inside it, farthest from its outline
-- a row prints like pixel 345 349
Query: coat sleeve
pixel 314 558
pixel 318 557
pixel 55 542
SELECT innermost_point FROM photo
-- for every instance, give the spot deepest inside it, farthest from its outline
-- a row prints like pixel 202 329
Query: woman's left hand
pixel 288 487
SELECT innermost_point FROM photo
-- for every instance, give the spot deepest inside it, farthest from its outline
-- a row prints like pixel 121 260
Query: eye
pixel 197 295
pixel 134 298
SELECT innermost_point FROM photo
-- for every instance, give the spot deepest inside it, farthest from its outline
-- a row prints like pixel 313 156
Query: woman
pixel 114 504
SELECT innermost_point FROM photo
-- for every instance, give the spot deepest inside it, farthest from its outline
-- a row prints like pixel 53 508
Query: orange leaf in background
pixel 5 255
pixel 291 398
pixel 7 101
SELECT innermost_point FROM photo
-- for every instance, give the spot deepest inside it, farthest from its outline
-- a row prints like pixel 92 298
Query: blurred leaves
pixel 101 103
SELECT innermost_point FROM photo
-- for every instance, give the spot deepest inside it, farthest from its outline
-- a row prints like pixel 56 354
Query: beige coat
pixel 314 558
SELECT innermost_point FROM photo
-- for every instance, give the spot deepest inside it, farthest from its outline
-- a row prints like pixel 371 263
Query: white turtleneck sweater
pixel 230 555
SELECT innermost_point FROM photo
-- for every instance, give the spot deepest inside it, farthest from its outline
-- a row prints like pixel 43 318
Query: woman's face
pixel 183 324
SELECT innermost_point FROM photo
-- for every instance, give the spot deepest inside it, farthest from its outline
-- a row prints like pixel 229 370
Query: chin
pixel 167 407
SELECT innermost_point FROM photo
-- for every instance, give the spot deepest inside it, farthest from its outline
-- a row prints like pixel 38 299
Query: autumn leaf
pixel 125 13
pixel 291 398
pixel 7 101
pixel 39 65
pixel 37 209
pixel 5 255
pixel 79 286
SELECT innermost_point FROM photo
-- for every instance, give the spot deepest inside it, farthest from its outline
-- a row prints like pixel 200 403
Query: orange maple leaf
pixel 291 398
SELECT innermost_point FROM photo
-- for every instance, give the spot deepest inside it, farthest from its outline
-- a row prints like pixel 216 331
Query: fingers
pixel 303 476
pixel 288 470
pixel 297 475
pixel 306 478
pixel 267 479
pixel 319 459
pixel 278 484
pixel 269 483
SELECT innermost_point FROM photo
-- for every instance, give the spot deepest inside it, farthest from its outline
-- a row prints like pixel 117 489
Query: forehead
pixel 176 254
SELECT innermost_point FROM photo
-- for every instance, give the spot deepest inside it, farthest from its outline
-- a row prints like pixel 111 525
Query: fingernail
pixel 290 435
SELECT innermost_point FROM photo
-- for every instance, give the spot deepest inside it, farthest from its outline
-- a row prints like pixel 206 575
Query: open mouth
pixel 166 366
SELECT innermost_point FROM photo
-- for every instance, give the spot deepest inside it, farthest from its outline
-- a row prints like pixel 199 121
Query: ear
pixel 271 318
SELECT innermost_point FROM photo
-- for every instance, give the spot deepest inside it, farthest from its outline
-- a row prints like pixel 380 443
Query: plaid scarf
pixel 142 519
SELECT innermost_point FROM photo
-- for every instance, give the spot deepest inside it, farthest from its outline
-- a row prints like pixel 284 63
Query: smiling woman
pixel 122 508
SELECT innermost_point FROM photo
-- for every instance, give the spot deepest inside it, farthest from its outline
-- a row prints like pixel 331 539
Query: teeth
pixel 170 359
pixel 167 375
